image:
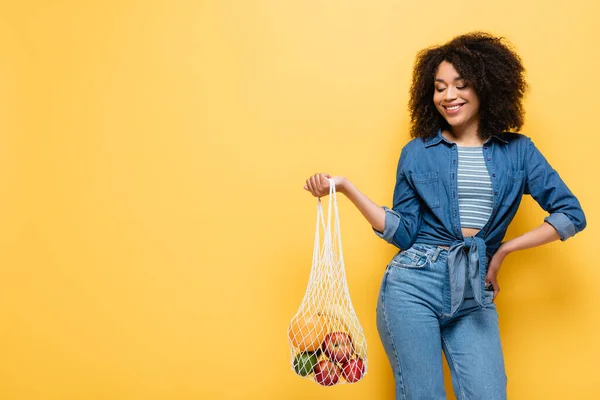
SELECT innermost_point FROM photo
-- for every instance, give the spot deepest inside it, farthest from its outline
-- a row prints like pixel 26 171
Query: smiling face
pixel 455 98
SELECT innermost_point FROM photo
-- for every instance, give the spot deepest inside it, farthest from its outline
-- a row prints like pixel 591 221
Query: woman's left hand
pixel 493 270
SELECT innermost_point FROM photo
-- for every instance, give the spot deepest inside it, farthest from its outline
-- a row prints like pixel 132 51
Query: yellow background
pixel 155 238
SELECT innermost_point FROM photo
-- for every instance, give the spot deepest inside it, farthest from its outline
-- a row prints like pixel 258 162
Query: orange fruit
pixel 307 332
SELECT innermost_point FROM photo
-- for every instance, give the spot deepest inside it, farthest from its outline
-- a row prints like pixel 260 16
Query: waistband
pixel 467 260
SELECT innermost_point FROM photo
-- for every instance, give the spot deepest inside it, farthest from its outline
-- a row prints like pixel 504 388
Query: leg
pixel 410 331
pixel 471 342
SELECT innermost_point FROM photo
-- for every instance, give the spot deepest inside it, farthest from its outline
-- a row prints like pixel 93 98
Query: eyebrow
pixel 459 78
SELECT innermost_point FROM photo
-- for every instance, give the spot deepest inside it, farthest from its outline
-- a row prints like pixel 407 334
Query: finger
pixel 491 276
pixel 327 178
pixel 310 185
pixel 315 184
pixel 496 290
pixel 321 184
pixel 317 191
pixel 317 178
pixel 325 183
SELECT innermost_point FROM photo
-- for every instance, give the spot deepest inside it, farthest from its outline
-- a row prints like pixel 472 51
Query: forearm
pixel 543 234
pixel 370 210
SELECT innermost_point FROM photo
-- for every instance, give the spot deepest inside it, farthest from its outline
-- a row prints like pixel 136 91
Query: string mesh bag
pixel 327 343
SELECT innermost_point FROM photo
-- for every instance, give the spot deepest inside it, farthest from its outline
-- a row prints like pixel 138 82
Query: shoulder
pixel 413 145
pixel 516 142
pixel 419 157
pixel 413 150
pixel 513 137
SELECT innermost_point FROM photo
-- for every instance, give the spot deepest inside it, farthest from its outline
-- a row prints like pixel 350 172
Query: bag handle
pixel 336 233
pixel 328 259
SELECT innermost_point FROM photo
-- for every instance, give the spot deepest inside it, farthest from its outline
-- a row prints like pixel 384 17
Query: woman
pixel 459 184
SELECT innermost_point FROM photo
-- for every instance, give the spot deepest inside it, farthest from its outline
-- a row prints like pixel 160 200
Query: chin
pixel 458 122
pixel 455 124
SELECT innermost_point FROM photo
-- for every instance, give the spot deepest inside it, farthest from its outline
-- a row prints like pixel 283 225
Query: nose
pixel 450 93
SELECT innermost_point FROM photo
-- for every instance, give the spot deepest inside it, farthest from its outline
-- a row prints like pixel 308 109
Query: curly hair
pixel 490 65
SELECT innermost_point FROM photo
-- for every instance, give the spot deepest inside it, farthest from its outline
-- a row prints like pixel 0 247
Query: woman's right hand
pixel 318 184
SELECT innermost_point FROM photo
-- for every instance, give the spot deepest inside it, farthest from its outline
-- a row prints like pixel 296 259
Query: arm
pixel 398 225
pixel 371 211
pixel 318 185
pixel 543 234
pixel 552 194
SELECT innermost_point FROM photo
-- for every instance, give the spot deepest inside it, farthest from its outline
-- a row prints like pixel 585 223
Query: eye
pixel 440 89
pixel 462 87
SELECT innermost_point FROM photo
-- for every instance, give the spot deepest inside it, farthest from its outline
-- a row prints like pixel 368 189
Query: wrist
pixel 504 250
pixel 343 185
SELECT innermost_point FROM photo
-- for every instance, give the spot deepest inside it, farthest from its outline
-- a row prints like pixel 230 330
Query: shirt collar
pixel 438 138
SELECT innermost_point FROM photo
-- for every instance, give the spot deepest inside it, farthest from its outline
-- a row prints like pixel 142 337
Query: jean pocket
pixel 410 259
pixel 488 297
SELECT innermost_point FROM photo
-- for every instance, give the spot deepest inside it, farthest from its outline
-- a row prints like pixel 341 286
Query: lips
pixel 454 108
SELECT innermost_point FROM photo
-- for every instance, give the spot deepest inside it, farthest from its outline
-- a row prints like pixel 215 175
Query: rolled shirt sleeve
pixel 392 221
pixel 562 224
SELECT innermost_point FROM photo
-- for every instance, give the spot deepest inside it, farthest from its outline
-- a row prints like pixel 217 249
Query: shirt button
pixel 495 193
pixel 485 148
pixel 493 175
pixel 489 159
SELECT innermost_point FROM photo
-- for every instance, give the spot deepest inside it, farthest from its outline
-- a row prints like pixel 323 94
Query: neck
pixel 464 135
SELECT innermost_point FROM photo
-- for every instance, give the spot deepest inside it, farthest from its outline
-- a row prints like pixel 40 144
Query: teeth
pixel 453 108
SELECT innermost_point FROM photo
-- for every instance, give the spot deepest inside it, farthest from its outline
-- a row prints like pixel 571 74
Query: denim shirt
pixel 425 206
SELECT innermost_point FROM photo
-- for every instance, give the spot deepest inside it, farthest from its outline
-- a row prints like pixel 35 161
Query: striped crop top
pixel 475 193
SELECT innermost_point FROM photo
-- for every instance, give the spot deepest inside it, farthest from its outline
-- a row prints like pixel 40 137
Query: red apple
pixel 327 373
pixel 338 347
pixel 353 370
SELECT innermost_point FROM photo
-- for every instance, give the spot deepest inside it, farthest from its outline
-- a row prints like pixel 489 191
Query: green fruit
pixel 305 363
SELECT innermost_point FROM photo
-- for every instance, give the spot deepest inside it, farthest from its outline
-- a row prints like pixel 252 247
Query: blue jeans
pixel 414 327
